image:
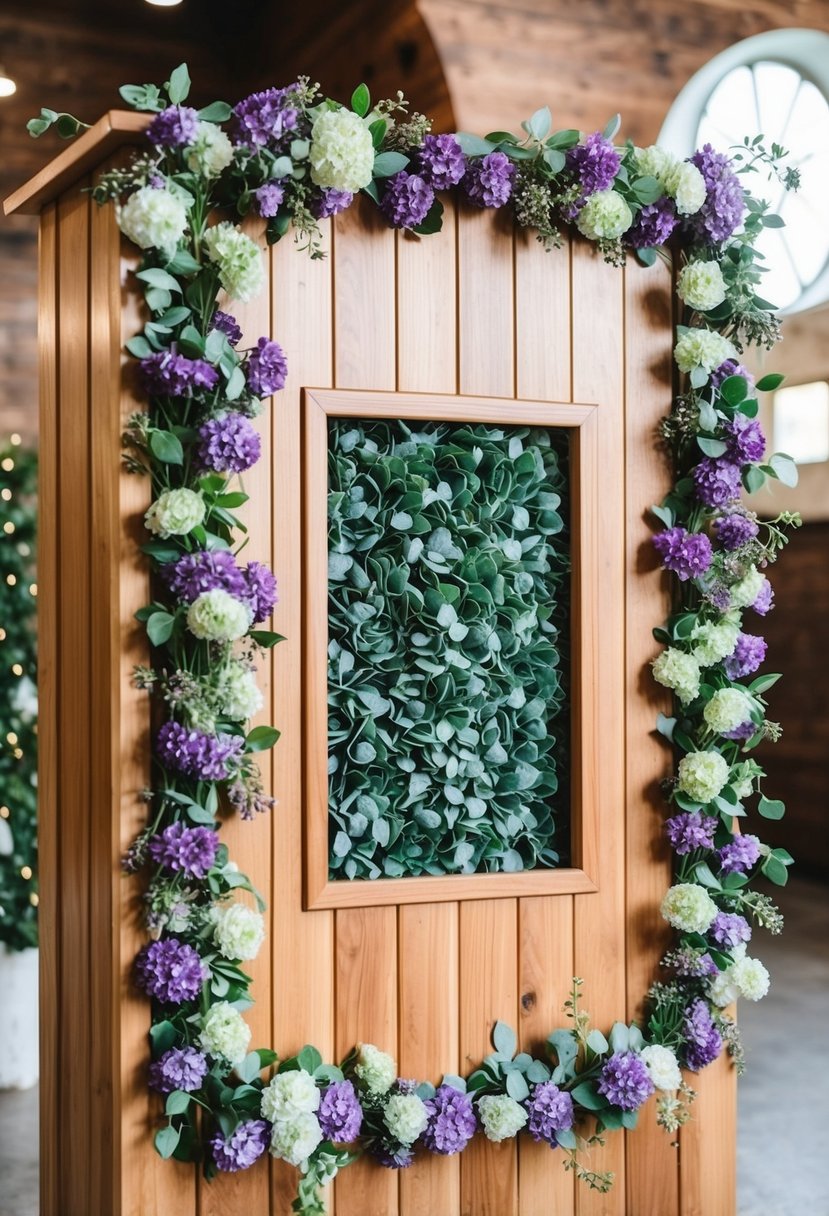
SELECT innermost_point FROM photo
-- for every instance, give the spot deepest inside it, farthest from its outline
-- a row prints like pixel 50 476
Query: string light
pixel 18 753
pixel 8 527
pixel 26 872
pixel 7 465
pixel 7 89
pixel 5 494
pixel 11 579
pixel 33 589
pixel 33 899
pixel 17 669
pixel 2 634
pixel 4 812
pixel 11 737
pixel 15 440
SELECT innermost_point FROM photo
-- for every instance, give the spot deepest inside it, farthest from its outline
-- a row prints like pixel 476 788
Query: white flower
pixel 727 709
pixel 701 285
pixel 217 616
pixel 501 1116
pixel 751 977
pixel 342 154
pixel 714 641
pixel 293 1140
pixel 153 219
pixel 211 152
pixel 406 1117
pixel 655 162
pixel 702 348
pixel 224 1032
pixel 686 186
pixel 238 692
pixel 701 775
pixel 239 932
pixel 677 670
pixel 744 593
pixel 689 907
pixel 662 1066
pixel 742 780
pixel 239 259
pixel 175 513
pixel 722 989
pixel 605 216
pixel 288 1094
pixel 375 1069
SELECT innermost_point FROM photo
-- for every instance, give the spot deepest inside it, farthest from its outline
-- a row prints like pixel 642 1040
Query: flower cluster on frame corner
pixel 293 158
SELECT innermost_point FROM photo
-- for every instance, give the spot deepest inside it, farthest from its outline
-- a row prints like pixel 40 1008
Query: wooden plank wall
pixel 476 309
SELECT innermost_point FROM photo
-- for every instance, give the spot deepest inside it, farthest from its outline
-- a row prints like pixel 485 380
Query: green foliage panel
pixel 448 623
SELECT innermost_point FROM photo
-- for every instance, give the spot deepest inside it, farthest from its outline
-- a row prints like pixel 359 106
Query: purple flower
pixel 724 206
pixel 624 1081
pixel 169 374
pixel 703 1042
pixel 397 1158
pixel 269 199
pixel 691 830
pixel 730 368
pixel 207 570
pixel 267 368
pixel 687 554
pixel 330 202
pixel 550 1110
pixel 452 1121
pixel 488 180
pixel 746 730
pixel 728 929
pixel 242 1147
pixel 187 851
pixel 174 127
pixel 340 1114
pixel 179 1068
pixel 229 444
pixel 195 754
pixel 765 599
pixel 735 529
pixel 739 855
pixel 441 161
pixel 716 481
pixel 747 656
pixel 692 963
pixel 260 591
pixel 266 119
pixel 227 325
pixel 170 970
pixel 653 225
pixel 594 163
pixel 745 438
pixel 406 200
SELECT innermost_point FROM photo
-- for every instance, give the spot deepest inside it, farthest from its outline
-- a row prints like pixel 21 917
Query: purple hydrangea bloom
pixel 406 200
pixel 724 206
pixel 260 591
pixel 399 1158
pixel 624 1081
pixel 594 163
pixel 269 199
pixel 691 830
pixel 687 554
pixel 441 162
pixel 174 127
pixel 747 656
pixel 716 481
pixel 550 1110
pixel 703 1042
pixel 730 368
pixel 195 754
pixel 330 202
pixel 692 963
pixel 228 444
pixel 745 438
pixel 170 970
pixel 765 600
pixel 267 368
pixel 169 374
pixel 208 570
pixel 728 929
pixel 452 1121
pixel 266 119
pixel 179 1068
pixel 185 850
pixel 242 1147
pixel 746 730
pixel 488 180
pixel 739 855
pixel 653 225
pixel 735 529
pixel 227 325
pixel 340 1113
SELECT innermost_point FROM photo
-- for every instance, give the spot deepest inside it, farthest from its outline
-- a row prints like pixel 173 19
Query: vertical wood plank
pixel 427 310
pixel 48 736
pixel 707 1157
pixel 364 299
pixel 302 952
pixel 598 376
pixel 651 1157
pixel 485 304
pixel 542 321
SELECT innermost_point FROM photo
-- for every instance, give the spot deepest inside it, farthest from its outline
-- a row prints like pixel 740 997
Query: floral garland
pixel 293 157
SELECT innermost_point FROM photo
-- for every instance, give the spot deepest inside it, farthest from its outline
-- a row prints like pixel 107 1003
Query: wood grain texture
pixel 707 1161
pixel 485 304
pixel 427 309
pixel 365 350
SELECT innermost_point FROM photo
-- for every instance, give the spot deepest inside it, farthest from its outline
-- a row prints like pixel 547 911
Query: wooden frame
pixel 582 421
